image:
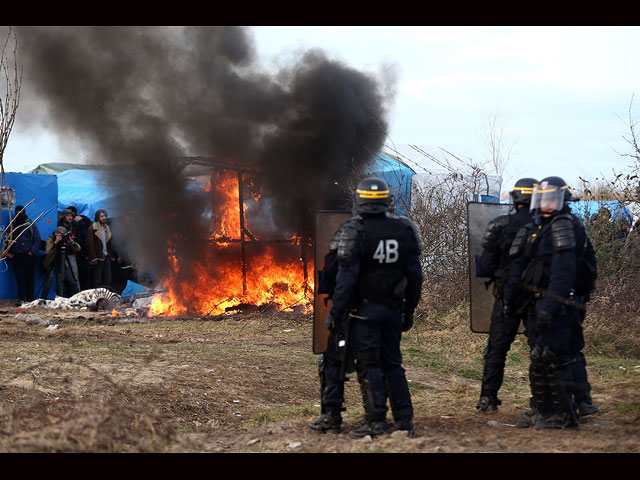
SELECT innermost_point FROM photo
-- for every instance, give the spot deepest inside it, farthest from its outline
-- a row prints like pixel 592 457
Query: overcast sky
pixel 561 94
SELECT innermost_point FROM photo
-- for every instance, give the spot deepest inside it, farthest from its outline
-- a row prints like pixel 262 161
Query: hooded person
pixel 23 253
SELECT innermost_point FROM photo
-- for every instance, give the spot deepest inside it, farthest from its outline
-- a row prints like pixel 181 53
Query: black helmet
pixel 522 190
pixel 551 193
pixel 372 196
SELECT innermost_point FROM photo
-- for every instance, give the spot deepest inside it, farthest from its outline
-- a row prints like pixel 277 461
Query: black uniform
pixel 495 263
pixel 549 266
pixel 330 362
pixel 378 284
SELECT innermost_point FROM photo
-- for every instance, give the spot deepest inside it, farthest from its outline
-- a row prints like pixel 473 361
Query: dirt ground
pixel 79 381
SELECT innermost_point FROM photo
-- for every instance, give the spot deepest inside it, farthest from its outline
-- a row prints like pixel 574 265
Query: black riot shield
pixel 481 297
pixel 325 225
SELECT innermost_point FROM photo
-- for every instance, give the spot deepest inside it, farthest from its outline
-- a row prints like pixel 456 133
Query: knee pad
pixel 536 357
pixel 367 359
pixel 549 358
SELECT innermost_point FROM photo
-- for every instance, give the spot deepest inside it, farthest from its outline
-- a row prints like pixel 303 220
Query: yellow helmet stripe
pixel 524 190
pixel 373 193
pixel 553 189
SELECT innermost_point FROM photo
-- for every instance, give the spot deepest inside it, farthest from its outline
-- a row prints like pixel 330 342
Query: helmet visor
pixel 548 198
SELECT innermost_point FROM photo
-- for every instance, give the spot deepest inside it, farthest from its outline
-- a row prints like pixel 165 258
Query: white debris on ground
pixel 89 299
pixel 143 302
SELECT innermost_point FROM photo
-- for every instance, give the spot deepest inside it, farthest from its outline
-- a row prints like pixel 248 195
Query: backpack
pixel 587 272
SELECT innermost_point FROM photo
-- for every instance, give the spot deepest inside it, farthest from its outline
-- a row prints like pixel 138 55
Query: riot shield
pixel 481 298
pixel 326 222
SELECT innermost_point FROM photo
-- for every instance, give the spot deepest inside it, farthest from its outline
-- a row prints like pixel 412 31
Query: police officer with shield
pixel 331 368
pixel 495 263
pixel 377 290
pixel 549 263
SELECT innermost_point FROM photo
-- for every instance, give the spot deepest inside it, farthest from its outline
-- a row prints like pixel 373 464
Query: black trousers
pixel 24 267
pixel 375 344
pixel 101 273
pixel 331 383
pixel 502 333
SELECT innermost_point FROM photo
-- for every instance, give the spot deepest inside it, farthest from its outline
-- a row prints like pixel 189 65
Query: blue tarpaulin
pixel 43 190
pixel 91 190
pixel 132 290
pixel 398 176
pixel 88 191
pixel 586 208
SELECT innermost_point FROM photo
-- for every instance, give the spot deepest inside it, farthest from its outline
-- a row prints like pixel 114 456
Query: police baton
pixel 343 344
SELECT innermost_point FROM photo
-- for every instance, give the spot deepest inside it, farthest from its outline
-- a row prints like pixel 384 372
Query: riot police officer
pixel 377 290
pixel 549 260
pixel 495 264
pixel 330 370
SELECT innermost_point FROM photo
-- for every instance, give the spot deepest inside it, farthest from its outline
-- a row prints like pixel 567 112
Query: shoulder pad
pixel 492 233
pixel 563 236
pixel 519 241
pixel 333 243
pixel 349 241
pixel 414 231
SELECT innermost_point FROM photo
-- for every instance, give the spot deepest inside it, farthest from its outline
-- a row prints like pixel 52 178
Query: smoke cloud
pixel 143 98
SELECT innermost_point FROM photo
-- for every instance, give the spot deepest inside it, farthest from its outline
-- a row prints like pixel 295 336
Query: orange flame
pixel 274 272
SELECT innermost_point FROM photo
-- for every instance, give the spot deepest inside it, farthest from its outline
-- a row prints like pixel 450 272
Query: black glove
pixel 407 321
pixel 543 321
pixel 331 324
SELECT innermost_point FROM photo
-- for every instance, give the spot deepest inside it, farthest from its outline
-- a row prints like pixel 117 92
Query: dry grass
pixel 248 383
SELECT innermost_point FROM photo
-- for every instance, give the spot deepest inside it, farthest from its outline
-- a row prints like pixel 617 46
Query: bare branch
pixel 13 82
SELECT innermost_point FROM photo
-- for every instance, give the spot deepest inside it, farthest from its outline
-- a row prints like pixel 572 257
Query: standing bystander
pixel 23 253
pixel 99 251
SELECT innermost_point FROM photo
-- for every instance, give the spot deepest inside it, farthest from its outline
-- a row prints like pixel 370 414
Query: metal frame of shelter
pixel 246 237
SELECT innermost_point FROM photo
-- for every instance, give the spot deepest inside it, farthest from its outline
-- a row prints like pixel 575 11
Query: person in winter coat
pixel 23 253
pixel 81 224
pixel 100 252
pixel 60 248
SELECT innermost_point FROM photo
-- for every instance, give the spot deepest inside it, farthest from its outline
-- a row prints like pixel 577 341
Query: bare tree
pixel 498 147
pixel 13 82
pixel 12 76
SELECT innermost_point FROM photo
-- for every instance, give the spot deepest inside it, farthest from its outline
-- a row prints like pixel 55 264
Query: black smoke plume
pixel 143 98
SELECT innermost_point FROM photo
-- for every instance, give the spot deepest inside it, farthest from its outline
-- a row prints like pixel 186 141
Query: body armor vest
pixel 499 237
pixel 383 255
pixel 509 231
pixel 562 236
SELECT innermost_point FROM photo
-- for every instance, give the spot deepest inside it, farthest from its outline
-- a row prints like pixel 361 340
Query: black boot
pixel 327 422
pixel 557 421
pixel 528 419
pixel 372 429
pixel 488 402
pixel 586 406
pixel 406 424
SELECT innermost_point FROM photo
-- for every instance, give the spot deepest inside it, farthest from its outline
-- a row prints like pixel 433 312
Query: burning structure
pixel 244 265
pixel 285 143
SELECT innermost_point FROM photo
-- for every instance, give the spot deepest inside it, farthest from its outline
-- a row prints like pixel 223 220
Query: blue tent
pixel 397 175
pixel 88 191
pixel 91 190
pixel 43 190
